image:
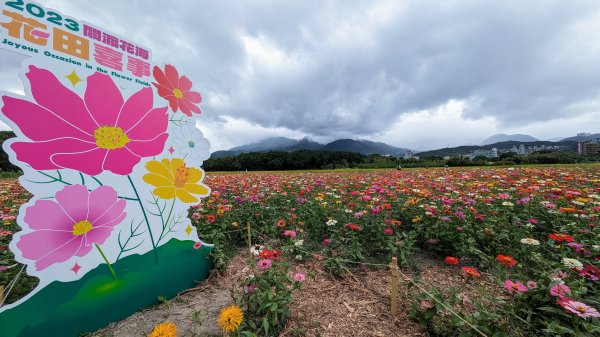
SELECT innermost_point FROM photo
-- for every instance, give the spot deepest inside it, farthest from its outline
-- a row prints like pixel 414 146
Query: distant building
pixel 493 153
pixel 408 154
pixel 446 157
pixel 590 148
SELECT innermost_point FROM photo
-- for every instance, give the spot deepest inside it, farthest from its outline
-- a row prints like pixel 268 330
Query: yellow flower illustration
pixel 166 329
pixel 173 179
pixel 231 318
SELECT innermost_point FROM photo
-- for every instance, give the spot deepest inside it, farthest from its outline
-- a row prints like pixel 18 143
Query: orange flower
pixel 471 271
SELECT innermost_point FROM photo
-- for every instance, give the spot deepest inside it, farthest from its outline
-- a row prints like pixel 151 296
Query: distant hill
pixel 505 138
pixel 364 147
pixel 463 150
pixel 581 138
pixel 290 145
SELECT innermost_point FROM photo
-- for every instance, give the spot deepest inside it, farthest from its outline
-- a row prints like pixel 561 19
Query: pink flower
pixel 3 269
pixel 197 245
pixel 196 216
pixel 99 132
pixel 590 272
pixel 299 277
pixel 388 231
pixel 326 242
pixel 560 290
pixel 264 263
pixel 578 308
pixel 515 287
pixel 559 274
pixel 70 224
pixel 531 284
pixel 290 233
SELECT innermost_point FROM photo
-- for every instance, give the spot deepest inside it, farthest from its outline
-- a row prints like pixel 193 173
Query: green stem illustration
pixel 145 218
pixel 112 271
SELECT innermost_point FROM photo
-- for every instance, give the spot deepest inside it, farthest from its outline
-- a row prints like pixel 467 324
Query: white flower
pixel 348 210
pixel 255 250
pixel 507 203
pixel 572 263
pixel 189 142
pixel 530 241
pixel 299 243
pixel 331 222
pixel 529 225
pixel 299 257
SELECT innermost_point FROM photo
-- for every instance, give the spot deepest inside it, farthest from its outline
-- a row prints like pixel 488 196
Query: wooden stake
pixel 394 292
pixel 249 238
pixel 1 294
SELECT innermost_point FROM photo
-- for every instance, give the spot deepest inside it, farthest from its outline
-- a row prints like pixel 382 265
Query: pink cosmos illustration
pixel 68 225
pixel 99 132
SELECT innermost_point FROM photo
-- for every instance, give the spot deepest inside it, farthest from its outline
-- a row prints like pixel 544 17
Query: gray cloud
pixel 353 68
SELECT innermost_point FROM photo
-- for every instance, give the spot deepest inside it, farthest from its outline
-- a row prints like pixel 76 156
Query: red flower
pixel 176 90
pixel 560 237
pixel 453 261
pixel 265 254
pixel 388 231
pixel 353 227
pixel 471 271
pixel 506 260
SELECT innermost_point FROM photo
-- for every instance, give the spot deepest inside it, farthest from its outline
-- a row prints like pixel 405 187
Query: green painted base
pixel 71 308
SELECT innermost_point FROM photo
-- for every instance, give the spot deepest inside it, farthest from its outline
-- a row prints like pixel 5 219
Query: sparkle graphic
pixel 76 268
pixel 188 229
pixel 73 78
pixel 171 149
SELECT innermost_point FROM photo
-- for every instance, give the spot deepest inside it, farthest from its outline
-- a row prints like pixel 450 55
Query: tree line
pixel 320 160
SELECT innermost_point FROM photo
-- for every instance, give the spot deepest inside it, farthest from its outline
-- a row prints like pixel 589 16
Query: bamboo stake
pixel 394 292
pixel 1 294
pixel 249 238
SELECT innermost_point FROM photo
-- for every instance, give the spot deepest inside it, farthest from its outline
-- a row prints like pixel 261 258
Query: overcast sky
pixel 420 74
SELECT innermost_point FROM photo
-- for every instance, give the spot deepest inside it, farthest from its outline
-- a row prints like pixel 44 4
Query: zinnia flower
pixel 560 237
pixel 471 271
pixel 515 287
pixel 506 260
pixel 299 277
pixel 230 318
pixel 353 227
pixel 166 329
pixel 197 245
pixel 99 132
pixel 388 231
pixel 264 263
pixel 590 272
pixel 572 263
pixel 578 308
pixel 560 290
pixel 530 241
pixel 68 225
pixel 176 90
pixel 172 178
pixel 451 260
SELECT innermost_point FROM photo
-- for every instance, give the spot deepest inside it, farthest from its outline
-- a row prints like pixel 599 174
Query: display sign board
pixel 109 149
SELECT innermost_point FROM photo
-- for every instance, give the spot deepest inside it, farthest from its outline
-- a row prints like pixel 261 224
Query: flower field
pixel 531 232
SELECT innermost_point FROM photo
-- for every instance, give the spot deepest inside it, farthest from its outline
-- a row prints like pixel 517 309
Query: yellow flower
pixel 173 179
pixel 231 318
pixel 166 329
